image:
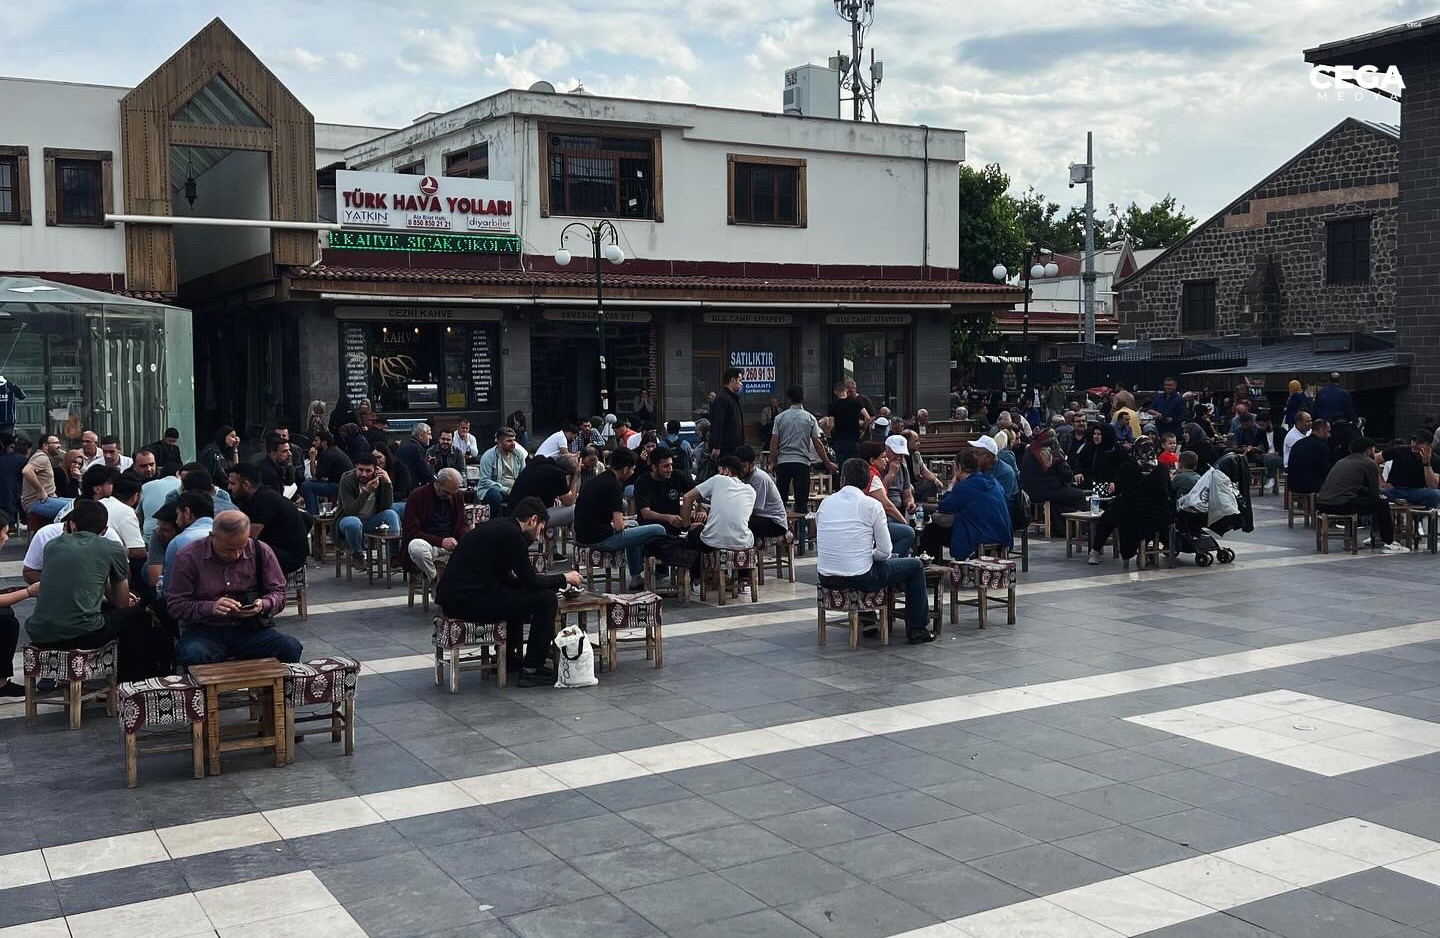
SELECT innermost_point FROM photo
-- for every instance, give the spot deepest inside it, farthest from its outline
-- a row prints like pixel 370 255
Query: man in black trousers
pixel 489 577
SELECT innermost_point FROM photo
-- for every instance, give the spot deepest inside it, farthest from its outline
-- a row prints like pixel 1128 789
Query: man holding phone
pixel 224 592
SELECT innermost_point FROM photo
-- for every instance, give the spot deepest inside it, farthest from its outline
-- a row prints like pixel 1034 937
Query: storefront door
pixel 878 362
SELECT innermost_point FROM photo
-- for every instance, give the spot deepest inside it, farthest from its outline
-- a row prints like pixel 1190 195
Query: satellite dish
pixel 543 86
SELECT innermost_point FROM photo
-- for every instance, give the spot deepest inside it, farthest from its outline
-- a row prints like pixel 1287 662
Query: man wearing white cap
pixel 990 462
pixel 898 483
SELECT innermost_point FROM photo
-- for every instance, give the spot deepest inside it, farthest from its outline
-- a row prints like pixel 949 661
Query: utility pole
pixel 860 14
pixel 1086 174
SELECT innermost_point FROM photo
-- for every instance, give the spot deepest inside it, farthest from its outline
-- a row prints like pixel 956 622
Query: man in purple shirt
pixel 218 597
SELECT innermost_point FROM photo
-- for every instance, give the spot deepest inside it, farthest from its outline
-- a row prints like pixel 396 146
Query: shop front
pixel 565 364
pixel 422 363
pixel 764 346
pixel 875 350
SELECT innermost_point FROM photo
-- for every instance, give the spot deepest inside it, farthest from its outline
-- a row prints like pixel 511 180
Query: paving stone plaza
pixel 1232 752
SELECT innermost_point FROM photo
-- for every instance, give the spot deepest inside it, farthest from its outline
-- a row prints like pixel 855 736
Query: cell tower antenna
pixel 860 14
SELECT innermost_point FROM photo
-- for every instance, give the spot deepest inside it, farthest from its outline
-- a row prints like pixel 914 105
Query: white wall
pixel 865 181
pixel 40 114
pixel 236 187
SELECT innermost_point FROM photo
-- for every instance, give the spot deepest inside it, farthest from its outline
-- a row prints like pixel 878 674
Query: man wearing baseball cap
pixel 898 483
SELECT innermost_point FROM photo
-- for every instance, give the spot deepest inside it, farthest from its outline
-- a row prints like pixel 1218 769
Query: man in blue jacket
pixel 1169 409
pixel 977 504
pixel 1333 402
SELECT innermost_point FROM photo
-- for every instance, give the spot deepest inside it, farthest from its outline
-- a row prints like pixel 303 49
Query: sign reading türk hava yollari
pixel 400 202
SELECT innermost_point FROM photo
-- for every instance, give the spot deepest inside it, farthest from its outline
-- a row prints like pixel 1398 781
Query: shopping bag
pixel 577 660
pixel 1198 498
pixel 1224 497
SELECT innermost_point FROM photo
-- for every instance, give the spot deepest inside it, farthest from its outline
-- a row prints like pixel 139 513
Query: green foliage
pixel 1158 226
pixel 967 333
pixel 988 229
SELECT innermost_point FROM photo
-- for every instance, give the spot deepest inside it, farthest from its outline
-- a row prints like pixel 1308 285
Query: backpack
pixel 681 451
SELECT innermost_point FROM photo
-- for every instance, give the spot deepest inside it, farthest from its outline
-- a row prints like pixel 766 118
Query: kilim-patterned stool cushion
pixel 321 681
pixel 722 568
pixel 538 560
pixel 162 702
pixel 783 557
pixel 72 665
pixel 297 587
pixel 587 560
pixel 451 635
pixel 983 576
pixel 853 602
pixel 637 616
pixel 478 514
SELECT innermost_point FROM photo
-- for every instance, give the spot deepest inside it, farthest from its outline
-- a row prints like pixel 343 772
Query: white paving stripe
pixel 274 907
pixel 1323 736
pixel 1167 895
pixel 302 820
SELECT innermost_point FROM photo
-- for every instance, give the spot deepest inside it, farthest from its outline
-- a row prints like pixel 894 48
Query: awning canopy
pixel 1274 366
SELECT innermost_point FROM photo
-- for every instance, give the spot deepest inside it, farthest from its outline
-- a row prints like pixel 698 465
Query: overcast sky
pixel 1201 98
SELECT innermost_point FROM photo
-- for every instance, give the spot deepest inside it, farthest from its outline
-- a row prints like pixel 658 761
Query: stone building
pixel 1311 248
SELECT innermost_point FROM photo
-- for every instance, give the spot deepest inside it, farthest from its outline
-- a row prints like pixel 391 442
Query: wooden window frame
pixel 801 189
pixel 106 159
pixel 469 160
pixel 602 130
pixel 1186 324
pixel 21 156
pixel 1355 223
pixel 413 168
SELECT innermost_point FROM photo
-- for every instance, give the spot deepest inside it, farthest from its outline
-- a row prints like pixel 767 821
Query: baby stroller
pixel 1218 503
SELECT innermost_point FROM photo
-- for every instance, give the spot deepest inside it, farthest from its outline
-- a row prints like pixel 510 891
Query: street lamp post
pixel 1032 268
pixel 604 240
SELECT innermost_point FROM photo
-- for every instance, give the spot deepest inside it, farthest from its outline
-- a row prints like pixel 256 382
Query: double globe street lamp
pixel 604 241
pixel 1033 269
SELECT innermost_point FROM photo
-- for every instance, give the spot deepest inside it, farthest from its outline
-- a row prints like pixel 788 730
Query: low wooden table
pixel 581 605
pixel 935 578
pixel 1078 527
pixel 320 535
pixel 377 556
pixel 263 675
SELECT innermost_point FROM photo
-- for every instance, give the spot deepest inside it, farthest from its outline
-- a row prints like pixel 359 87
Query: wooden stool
pixel 587 559
pixel 679 581
pixel 1347 523
pixel 935 574
pixel 1040 514
pixel 1408 517
pixel 161 702
pixel 992 552
pixel 1257 478
pixel 784 559
pixel 451 636
pixel 342 556
pixel 297 588
pixel 982 576
pixel 320 535
pixel 1151 550
pixel 795 520
pixel 416 580
pixel 1303 502
pixel 723 567
pixel 73 667
pixel 318 682
pixel 631 613
pixel 263 675
pixel 378 548
pixel 852 602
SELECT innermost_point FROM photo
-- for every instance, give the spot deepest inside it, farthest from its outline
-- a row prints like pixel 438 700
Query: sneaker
pixel 1394 548
pixel 11 689
pixel 920 637
pixel 47 685
pixel 1094 558
pixel 358 563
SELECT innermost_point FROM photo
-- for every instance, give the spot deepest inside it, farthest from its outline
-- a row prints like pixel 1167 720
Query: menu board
pixel 355 363
pixel 483 343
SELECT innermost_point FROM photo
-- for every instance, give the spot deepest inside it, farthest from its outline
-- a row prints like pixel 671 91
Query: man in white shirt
pixel 1297 433
pixel 853 550
pixel 119 495
pixel 464 442
pixel 108 455
pixel 557 442
pixel 731 503
pixel 769 518
pixel 35 552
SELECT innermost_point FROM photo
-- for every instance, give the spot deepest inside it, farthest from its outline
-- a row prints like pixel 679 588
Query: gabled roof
pixel 1389 131
pixel 1378 47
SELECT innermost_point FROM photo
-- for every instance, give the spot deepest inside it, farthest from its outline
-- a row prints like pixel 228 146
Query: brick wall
pixel 1267 251
pixel 1417 306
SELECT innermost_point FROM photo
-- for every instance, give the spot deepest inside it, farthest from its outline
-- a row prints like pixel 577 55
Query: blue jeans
pixel 902 538
pixel 1429 498
pixel 898 571
pixel 312 491
pixel 211 644
pixel 351 528
pixel 493 497
pixel 50 507
pixel 631 540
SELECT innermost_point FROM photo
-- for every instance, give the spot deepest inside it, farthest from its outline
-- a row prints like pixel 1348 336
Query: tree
pixel 987 228
pixel 967 333
pixel 1158 226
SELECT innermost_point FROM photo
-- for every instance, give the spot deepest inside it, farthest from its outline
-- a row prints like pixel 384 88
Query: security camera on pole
pixel 604 240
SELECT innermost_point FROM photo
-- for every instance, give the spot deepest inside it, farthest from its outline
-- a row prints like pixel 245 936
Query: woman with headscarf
pixel 1099 458
pixel 342 414
pixel 1297 402
pixel 220 454
pixel 1046 477
pixel 1197 441
pixel 1143 505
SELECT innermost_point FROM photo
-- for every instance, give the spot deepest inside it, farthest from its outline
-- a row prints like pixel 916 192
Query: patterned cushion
pixel 538 562
pixel 297 578
pixel 69 664
pixel 847 600
pixel 765 543
pixel 478 514
pixel 160 701
pixel 597 557
pixel 322 681
pixel 989 573
pixel 632 610
pixel 450 632
pixel 727 559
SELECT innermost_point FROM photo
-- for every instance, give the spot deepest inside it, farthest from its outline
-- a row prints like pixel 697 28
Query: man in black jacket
pixel 1310 459
pixel 167 454
pixel 727 426
pixel 489 577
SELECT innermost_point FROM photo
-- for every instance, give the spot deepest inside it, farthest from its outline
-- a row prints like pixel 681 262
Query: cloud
pixel 544 59
pixel 297 58
pixel 1058 49
pixel 450 49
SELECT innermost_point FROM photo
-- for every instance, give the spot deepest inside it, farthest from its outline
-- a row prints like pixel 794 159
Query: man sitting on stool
pixel 499 468
pixel 366 497
pixel 274 519
pixel 853 550
pixel 732 504
pixel 1353 488
pixel 219 591
pixel 768 519
pixel 490 578
pixel 435 520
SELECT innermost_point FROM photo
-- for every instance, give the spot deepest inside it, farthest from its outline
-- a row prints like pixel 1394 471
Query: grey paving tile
pixel 966 838
pixel 900 810
pixel 862 912
pixel 512 891
pixel 599 916
pixel 1275 813
pixel 1389 894
pixel 980 793
pixel 727 776
pixel 1049 819
pixel 1052 778
pixel 847 784
pixel 883 857
pixel 1204 830
pixel 1213 926
pixel 953 890
pixel 768 800
pixel 29 904
pixel 766 923
pixel 1195 787
pixel 1306 914
pixel 728 846
pixel 242 864
pixel 640 865
pixel 468 859
pixel 821 827
pixel 690 901
pixel 1126 849
pixel 588 835
pixel 636 793
pixel 394 915
pixel 672 818
pixel 789 878
pixel 1043 869
pixel 1124 802
pixel 1122 765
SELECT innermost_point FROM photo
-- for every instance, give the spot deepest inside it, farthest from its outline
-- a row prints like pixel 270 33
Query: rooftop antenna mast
pixel 859 14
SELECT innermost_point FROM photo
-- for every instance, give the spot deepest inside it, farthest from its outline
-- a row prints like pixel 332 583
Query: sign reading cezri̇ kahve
pixel 400 202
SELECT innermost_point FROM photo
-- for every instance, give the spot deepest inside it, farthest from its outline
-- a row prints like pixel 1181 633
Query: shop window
pixel 473 163
pixel 766 191
pixel 14 186
pixel 416 168
pixel 413 369
pixel 78 186
pixel 1347 244
pixel 601 173
pixel 1197 306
